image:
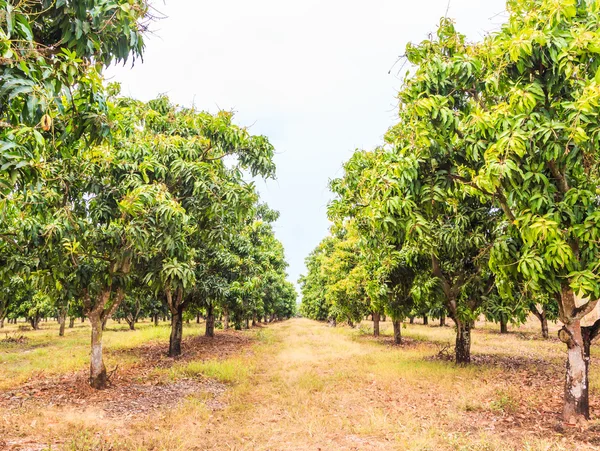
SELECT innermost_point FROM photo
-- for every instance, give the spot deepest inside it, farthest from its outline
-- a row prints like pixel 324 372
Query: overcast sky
pixel 311 75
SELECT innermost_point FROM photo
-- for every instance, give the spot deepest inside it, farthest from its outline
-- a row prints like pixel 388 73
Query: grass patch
pixel 231 371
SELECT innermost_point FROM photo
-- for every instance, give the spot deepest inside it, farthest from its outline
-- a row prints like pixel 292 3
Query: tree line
pixel 113 207
pixel 484 197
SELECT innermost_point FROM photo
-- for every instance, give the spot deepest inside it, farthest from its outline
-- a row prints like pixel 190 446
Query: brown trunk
pixel 35 323
pixel 463 342
pixel 545 326
pixel 576 408
pixel 176 332
pixel 543 319
pixel 376 324
pixel 62 321
pixel 442 320
pixel 1 323
pixel 226 319
pixel 383 318
pixel 197 318
pixel 411 320
pixel 503 324
pixel 397 331
pixel 210 321
pixel 71 322
pixel 247 323
pixel 253 319
pixel 425 320
pixel 156 319
pixel 104 321
pixel 98 377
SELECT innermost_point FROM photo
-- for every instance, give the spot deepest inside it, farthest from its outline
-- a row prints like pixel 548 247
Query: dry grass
pixel 305 386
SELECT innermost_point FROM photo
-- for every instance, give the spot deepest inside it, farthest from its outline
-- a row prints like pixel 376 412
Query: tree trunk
pixel 176 332
pixel 156 319
pixel 104 321
pixel 503 324
pixel 425 320
pixel 463 342
pixel 62 321
pixel 442 320
pixel 1 323
pixel 98 377
pixel 397 331
pixel 411 320
pixel 577 406
pixel 545 326
pixel 376 324
pixel 247 323
pixel 197 318
pixel 130 323
pixel 253 319
pixel 210 321
pixel 71 322
pixel 383 318
pixel 543 319
pixel 226 319
pixel 35 322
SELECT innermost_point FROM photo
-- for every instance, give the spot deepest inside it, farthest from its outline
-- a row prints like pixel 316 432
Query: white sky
pixel 311 75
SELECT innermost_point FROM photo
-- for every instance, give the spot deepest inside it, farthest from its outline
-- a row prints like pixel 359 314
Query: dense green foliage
pixel 112 207
pixel 489 182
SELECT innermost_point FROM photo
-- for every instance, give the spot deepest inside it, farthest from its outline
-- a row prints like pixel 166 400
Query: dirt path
pixel 303 395
pixel 319 388
pixel 304 386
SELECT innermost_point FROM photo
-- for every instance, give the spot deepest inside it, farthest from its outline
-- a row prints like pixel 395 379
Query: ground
pixel 293 385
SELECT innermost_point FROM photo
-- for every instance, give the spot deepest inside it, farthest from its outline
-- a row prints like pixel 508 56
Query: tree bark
pixel 254 319
pixel 71 322
pixel 411 319
pixel 1 323
pixel 35 322
pixel 226 319
pixel 376 324
pixel 545 327
pixel 425 320
pixel 210 321
pixel 176 332
pixel 98 377
pixel 543 319
pixel 442 320
pixel 62 321
pixel 576 407
pixel 503 324
pixel 397 331
pixel 197 318
pixel 463 343
pixel 156 319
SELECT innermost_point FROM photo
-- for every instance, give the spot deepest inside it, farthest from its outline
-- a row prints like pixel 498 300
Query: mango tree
pixel 536 128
